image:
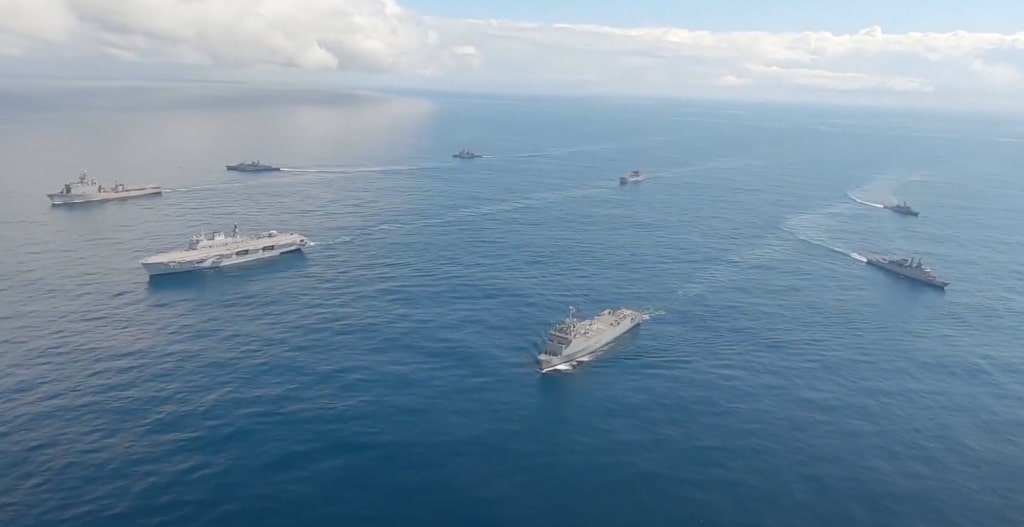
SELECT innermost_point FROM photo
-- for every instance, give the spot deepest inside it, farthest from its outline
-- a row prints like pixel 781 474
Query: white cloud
pixel 838 81
pixel 378 36
pixel 684 61
pixel 357 35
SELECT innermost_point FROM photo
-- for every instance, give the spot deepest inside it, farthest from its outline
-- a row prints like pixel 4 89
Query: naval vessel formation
pixel 566 343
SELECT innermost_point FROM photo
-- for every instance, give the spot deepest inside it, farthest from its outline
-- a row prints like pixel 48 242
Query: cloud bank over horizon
pixel 380 38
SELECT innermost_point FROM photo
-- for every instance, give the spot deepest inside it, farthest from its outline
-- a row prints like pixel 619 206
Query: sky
pixel 747 15
pixel 896 52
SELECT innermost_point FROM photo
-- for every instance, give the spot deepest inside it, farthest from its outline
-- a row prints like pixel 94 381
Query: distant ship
pixel 218 250
pixel 632 177
pixel 466 154
pixel 87 190
pixel 574 339
pixel 902 208
pixel 252 166
pixel 909 268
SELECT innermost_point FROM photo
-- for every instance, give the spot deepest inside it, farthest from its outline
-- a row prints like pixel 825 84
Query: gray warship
pixel 902 208
pixel 466 154
pixel 911 268
pixel 574 339
pixel 89 190
pixel 217 250
pixel 252 166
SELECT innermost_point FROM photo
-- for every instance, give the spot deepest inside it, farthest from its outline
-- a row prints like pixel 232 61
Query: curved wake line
pixel 820 243
pixel 808 228
pixel 862 202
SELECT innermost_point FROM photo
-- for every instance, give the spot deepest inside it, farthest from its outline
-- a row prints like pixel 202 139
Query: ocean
pixel 386 375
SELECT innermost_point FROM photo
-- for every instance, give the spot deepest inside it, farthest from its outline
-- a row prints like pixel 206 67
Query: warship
pixel 217 250
pixel 902 208
pixel 466 154
pixel 89 190
pixel 911 268
pixel 252 166
pixel 632 177
pixel 574 339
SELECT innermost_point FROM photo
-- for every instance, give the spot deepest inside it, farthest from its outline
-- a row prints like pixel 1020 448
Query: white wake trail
pixel 862 202
pixel 807 227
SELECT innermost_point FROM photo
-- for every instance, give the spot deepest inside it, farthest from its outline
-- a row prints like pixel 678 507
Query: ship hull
pixel 213 261
pixel 250 169
pixel 938 284
pixel 68 199
pixel 579 350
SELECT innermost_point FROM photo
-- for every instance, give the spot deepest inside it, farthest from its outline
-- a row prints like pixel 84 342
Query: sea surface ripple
pixel 385 376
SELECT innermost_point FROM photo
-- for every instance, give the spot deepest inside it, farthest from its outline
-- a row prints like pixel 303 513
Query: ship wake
pixel 808 228
pixel 572 366
pixel 202 187
pixel 555 151
pixel 341 169
pixel 649 313
pixel 882 188
pixel 342 239
pixel 865 202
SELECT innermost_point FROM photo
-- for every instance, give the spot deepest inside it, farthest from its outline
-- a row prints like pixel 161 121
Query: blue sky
pixel 747 15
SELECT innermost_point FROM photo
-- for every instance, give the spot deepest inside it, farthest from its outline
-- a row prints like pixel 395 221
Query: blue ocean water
pixel 386 375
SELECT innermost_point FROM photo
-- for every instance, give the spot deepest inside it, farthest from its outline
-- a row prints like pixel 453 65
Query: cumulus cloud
pixel 682 61
pixel 359 35
pixel 379 36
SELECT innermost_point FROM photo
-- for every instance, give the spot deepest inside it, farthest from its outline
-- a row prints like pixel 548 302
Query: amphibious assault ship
pixel 902 208
pixel 217 250
pixel 632 177
pixel 89 190
pixel 911 268
pixel 574 339
pixel 252 166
